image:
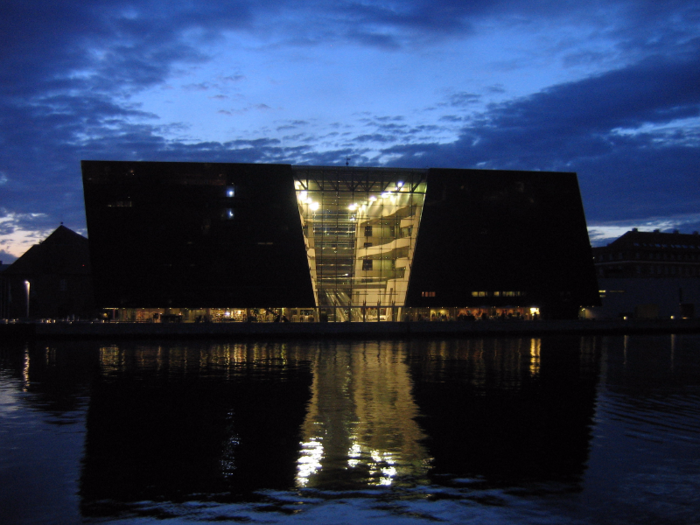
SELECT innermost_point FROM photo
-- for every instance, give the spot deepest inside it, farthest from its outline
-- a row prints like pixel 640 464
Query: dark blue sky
pixel 608 89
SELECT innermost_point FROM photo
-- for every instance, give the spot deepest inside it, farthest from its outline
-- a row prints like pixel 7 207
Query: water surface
pixel 491 430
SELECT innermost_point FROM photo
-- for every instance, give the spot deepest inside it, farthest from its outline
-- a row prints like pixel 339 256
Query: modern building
pixel 649 275
pixel 51 280
pixel 215 241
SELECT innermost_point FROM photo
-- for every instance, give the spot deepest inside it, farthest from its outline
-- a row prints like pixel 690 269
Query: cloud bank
pixel 606 89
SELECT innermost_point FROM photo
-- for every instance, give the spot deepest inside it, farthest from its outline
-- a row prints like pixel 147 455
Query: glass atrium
pixel 360 227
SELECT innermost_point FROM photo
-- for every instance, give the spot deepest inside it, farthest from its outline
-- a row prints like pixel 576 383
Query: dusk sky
pixel 607 89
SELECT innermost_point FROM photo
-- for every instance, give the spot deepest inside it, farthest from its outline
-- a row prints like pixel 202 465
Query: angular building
pixel 219 241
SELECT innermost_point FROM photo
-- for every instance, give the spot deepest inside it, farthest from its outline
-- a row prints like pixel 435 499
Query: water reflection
pixel 507 412
pixel 428 429
pixel 178 422
pixel 360 429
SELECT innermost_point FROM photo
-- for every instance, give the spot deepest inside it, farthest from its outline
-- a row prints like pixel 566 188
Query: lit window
pixel 366 264
pixel 427 294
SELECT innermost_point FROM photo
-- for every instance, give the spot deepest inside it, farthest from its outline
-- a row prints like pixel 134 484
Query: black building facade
pixel 218 241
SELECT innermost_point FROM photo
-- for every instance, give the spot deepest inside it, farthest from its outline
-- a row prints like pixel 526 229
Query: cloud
pixel 70 72
pixel 460 100
pixel 577 126
pixel 19 232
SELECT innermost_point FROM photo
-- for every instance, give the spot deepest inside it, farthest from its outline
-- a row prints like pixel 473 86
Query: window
pixel 366 264
pixel 368 231
pixel 121 204
pixel 368 244
pixel 427 294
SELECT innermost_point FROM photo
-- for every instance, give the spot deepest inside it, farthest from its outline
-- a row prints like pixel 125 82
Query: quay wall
pixel 112 330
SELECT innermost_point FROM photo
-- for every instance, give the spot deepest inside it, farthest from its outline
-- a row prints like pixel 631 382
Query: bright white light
pixel 385 194
pixel 302 196
pixel 372 198
pixel 309 461
pixel 314 206
pixel 355 451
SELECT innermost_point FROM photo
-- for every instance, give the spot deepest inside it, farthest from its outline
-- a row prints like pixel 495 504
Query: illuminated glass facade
pixel 360 228
pixel 231 242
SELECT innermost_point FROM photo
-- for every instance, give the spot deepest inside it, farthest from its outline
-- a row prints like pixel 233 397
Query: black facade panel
pixel 484 233
pixel 195 235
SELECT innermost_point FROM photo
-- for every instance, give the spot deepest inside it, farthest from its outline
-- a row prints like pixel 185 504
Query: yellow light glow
pixel 314 206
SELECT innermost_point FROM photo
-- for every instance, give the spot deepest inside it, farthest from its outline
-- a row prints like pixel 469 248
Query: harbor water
pixel 499 430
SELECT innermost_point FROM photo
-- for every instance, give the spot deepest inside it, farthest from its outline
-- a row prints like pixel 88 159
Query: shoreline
pixel 398 330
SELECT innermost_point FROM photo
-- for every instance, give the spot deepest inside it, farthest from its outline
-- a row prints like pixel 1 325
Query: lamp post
pixel 27 287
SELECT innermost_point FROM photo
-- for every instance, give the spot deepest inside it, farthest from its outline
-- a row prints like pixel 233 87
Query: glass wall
pixel 360 227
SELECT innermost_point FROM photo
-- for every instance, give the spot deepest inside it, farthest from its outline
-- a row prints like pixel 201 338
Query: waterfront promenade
pixel 87 329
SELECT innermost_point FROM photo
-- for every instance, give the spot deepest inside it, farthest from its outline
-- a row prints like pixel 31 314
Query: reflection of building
pixel 52 279
pixel 178 423
pixel 213 241
pixel 507 410
pixel 361 429
pixel 649 275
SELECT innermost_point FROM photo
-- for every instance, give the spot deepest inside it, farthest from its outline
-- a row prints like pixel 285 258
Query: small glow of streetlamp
pixel 27 287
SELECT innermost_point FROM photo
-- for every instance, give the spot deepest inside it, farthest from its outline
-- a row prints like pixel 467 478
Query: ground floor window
pixel 362 314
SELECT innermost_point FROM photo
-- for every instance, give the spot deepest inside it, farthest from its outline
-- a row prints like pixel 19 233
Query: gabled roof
pixel 656 240
pixel 63 252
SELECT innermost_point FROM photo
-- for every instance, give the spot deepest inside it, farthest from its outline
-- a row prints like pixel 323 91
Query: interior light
pixel 352 207
pixel 399 184
pixel 385 194
pixel 372 198
pixel 302 196
pixel 314 206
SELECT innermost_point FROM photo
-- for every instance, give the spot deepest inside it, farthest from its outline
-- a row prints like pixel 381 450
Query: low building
pixel 649 275
pixel 51 280
pixel 205 241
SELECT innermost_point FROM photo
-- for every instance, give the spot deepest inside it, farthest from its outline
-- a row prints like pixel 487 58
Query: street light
pixel 27 286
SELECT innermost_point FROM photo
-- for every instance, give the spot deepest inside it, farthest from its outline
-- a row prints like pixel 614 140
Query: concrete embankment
pixel 96 330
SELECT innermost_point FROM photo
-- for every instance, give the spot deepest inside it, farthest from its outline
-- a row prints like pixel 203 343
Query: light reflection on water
pixel 498 430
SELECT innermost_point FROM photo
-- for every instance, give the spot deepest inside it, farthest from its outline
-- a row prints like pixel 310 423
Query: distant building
pixel 649 275
pixel 51 280
pixel 204 241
